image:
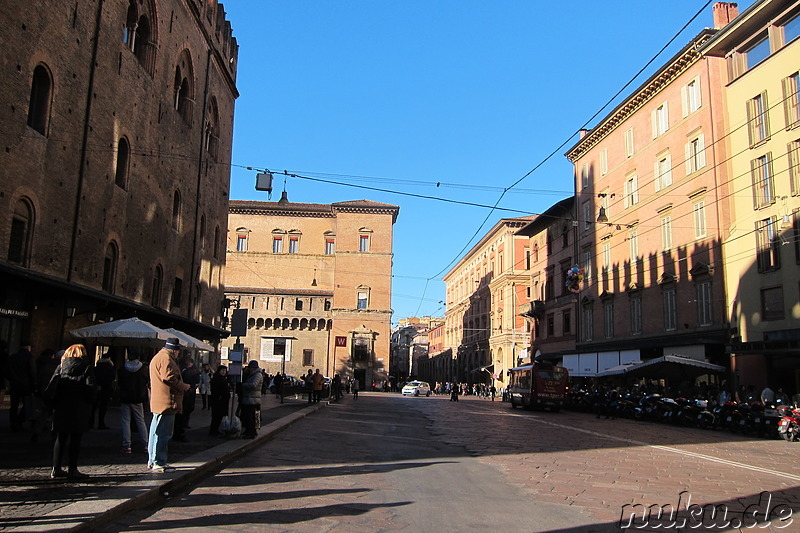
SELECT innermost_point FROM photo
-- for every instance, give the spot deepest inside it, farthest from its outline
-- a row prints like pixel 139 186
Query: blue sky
pixel 402 95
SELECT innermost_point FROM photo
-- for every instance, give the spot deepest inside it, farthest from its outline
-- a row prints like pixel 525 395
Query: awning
pixel 665 367
pixel 618 370
pixel 125 332
pixel 190 342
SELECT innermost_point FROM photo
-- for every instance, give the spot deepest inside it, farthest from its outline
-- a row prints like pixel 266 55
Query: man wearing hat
pixel 166 399
pixel 251 398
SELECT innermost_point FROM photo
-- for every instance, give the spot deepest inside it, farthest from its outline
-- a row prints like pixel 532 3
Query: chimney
pixel 583 132
pixel 724 12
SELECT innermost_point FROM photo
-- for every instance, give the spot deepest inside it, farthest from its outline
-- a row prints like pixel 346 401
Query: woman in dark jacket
pixel 72 390
pixel 220 397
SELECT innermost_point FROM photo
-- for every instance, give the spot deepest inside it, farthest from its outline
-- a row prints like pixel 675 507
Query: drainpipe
pixel 200 160
pixel 84 141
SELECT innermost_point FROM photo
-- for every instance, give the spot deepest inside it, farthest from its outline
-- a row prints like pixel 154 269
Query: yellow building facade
pixel 316 281
pixel 762 249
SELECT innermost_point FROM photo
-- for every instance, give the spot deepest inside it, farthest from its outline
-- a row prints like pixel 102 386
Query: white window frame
pixel 604 161
pixel 241 242
pixel 662 171
pixel 629 143
pixel 660 119
pixel 585 175
pixel 666 232
pixel 631 190
pixel 670 309
pixel 363 242
pixel 691 97
pixel 699 216
pixel 294 244
pixel 695 153
pixel 704 307
pixel 791 100
pixel 277 244
pixel 633 243
pixel 606 255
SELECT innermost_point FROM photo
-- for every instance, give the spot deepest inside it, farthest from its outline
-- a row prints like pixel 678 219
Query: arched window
pixel 211 129
pixel 19 244
pixel 176 211
pixel 277 240
pixel 110 267
pixel 131 21
pixel 158 277
pixel 259 323
pixel 123 156
pixel 294 241
pixel 41 96
pixel 184 88
pixel 139 34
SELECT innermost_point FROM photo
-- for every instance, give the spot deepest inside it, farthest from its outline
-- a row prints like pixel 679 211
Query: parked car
pixel 417 388
pixel 289 382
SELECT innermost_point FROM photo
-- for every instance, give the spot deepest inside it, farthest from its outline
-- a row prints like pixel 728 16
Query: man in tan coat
pixel 166 399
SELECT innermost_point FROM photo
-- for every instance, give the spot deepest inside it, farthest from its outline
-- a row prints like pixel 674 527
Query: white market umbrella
pixel 125 332
pixel 189 341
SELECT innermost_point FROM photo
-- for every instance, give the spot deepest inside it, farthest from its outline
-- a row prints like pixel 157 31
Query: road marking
pixel 709 458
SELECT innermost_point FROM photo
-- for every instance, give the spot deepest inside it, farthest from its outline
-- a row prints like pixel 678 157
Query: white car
pixel 416 388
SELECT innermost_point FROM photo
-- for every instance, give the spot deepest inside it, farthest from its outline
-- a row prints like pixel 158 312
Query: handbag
pixel 50 393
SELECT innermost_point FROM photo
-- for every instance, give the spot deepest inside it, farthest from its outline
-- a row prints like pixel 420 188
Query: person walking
pixel 204 385
pixel 318 381
pixel 105 375
pixel 454 392
pixel 191 376
pixel 72 392
pixel 308 380
pixel 251 399
pixel 220 398
pixel 354 388
pixel 134 382
pixel 46 365
pixel 166 399
pixel 21 384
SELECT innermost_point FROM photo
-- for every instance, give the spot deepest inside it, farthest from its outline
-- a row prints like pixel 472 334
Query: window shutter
pixel 685 101
pixel 627 192
pixel 787 101
pixel 666 116
pixel 754 175
pixel 654 122
pixel 656 177
pixel 750 125
pixel 698 92
pixel 765 103
pixel 668 174
pixel 688 155
pixel 701 151
pixel 635 189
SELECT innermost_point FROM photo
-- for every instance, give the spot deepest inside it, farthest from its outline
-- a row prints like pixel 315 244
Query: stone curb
pixel 88 515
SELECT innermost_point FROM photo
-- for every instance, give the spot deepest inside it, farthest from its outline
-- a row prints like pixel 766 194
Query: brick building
pixel 311 275
pixel 114 175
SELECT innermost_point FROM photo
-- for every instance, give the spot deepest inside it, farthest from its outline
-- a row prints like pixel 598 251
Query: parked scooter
pixel 789 425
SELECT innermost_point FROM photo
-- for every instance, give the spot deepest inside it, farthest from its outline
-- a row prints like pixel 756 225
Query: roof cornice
pixel 679 63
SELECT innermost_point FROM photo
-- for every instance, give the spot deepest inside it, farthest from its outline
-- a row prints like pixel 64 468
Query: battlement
pixel 212 16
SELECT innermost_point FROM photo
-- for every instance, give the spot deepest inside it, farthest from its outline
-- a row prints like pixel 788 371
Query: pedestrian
pixel 308 379
pixel 493 391
pixel 251 399
pixel 454 392
pixel 133 379
pixel 190 375
pixel 21 384
pixel 277 382
pixel 72 392
pixel 166 399
pixel 767 396
pixel 318 381
pixel 354 388
pixel 204 385
pixel 220 398
pixel 46 365
pixel 106 376
pixel 336 387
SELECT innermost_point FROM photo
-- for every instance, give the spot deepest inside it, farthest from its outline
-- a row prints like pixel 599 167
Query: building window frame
pixel 630 148
pixel 662 171
pixel 758 119
pixel 768 245
pixel 636 314
pixel 695 153
pixel 705 311
pixel 21 232
pixel 772 303
pixel 691 97
pixel 763 181
pixel 791 100
pixel 669 296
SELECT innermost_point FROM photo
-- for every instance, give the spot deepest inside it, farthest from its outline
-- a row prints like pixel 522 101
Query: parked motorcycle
pixel 789 425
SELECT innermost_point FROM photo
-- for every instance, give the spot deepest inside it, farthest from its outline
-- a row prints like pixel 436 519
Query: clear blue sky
pixel 410 93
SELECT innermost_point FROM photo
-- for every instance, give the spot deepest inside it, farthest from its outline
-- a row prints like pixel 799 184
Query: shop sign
pixel 4 311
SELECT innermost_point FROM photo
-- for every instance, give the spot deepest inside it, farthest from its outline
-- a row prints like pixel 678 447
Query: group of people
pixel 454 390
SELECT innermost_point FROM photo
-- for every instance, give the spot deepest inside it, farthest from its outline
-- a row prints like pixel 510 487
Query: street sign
pixel 341 341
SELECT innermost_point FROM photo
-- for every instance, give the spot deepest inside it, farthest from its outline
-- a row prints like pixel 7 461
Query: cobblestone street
pixel 388 463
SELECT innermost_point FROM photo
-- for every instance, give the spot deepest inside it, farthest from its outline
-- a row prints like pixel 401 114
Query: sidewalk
pixel 30 501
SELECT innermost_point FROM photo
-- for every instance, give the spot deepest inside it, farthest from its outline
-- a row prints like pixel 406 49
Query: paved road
pixel 388 463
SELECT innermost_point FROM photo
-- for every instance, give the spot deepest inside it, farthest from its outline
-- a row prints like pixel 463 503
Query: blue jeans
pixel 160 432
pixel 126 410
